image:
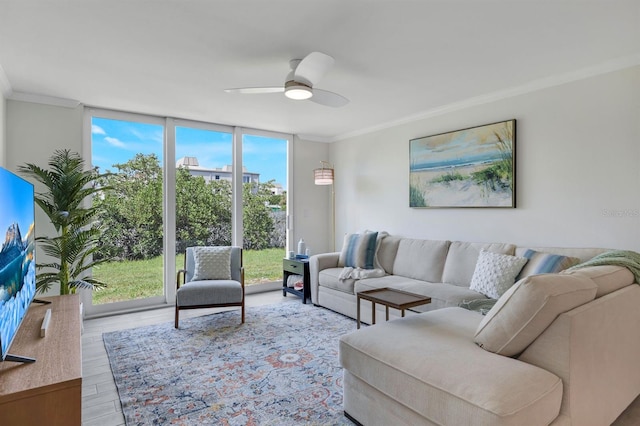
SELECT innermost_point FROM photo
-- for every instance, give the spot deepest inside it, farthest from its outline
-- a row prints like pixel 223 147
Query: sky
pixel 116 141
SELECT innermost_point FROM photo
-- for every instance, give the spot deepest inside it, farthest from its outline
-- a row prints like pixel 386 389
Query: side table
pixel 296 267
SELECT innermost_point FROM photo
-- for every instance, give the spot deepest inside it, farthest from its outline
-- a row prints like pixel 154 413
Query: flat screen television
pixel 17 257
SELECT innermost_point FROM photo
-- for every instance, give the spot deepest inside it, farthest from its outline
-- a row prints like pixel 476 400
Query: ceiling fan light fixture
pixel 297 91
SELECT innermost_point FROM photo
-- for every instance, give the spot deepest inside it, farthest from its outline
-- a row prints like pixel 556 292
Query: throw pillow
pixel 545 263
pixel 495 273
pixel 528 308
pixel 212 263
pixel 359 250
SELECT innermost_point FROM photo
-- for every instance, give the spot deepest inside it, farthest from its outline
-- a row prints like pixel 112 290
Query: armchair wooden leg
pixel 242 312
pixel 177 313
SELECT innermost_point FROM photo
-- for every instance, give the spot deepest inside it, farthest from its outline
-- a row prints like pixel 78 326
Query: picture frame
pixel 467 168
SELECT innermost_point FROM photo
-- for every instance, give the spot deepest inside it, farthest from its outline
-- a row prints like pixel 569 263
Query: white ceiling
pixel 394 59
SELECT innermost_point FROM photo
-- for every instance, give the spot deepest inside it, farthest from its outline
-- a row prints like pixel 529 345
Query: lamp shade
pixel 323 176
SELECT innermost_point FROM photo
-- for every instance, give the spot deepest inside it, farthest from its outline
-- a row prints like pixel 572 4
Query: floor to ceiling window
pixel 130 153
pixel 170 184
pixel 264 206
pixel 203 187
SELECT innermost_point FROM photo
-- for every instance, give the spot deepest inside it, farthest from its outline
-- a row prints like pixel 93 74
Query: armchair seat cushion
pixel 209 292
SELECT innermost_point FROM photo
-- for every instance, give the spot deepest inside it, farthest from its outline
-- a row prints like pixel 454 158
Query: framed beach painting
pixel 472 167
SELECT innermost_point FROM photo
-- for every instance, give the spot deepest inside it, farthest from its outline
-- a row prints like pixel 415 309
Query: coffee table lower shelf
pixel 389 298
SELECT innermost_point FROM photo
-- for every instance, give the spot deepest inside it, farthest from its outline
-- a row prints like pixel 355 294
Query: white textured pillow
pixel 495 273
pixel 212 263
pixel 528 308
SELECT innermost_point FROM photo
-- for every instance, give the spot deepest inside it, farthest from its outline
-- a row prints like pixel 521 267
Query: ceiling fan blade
pixel 312 68
pixel 324 97
pixel 255 90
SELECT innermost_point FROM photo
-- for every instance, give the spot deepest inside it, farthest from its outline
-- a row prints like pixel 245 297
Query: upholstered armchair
pixel 212 277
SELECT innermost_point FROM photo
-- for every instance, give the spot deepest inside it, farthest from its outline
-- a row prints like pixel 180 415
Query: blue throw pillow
pixel 545 263
pixel 359 250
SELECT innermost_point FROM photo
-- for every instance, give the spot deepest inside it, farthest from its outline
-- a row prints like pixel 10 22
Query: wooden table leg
pixel 373 313
pixel 358 313
pixel 387 311
pixel 402 310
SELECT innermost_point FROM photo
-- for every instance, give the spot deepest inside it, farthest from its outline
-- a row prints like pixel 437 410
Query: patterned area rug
pixel 279 368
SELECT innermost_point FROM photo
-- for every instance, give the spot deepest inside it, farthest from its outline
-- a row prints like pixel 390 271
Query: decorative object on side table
pixel 298 267
pixel 472 167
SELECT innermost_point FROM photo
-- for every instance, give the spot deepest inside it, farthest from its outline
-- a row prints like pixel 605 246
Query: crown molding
pixel 557 80
pixel 316 138
pixel 5 86
pixel 43 99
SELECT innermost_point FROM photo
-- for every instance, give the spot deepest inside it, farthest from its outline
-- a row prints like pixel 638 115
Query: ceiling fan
pixel 298 85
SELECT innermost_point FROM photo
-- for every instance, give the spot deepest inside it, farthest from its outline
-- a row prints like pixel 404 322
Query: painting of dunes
pixel 473 167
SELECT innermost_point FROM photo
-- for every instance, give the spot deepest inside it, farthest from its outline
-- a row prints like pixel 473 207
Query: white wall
pixel 312 204
pixel 577 178
pixel 33 132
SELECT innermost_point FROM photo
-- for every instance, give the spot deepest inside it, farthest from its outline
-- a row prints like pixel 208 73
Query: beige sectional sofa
pixel 557 349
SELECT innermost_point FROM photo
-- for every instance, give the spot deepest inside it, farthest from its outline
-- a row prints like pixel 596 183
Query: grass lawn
pixel 136 279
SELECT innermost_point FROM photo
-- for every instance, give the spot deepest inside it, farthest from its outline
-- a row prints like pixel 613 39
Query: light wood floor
pixel 100 402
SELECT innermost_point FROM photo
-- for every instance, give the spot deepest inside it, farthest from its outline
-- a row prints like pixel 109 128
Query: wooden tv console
pixel 48 391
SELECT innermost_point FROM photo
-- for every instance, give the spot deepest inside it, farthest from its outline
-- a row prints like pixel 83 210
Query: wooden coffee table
pixel 390 297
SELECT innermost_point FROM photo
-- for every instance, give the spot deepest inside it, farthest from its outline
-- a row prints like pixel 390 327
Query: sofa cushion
pixel 495 273
pixel 430 364
pixel 359 250
pixel 545 263
pixel 608 278
pixel 462 258
pixel 387 252
pixel 330 278
pixel 392 281
pixel 442 295
pixel 421 259
pixel 528 308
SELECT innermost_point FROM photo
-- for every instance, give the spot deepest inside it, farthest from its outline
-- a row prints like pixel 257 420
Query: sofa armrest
pixel 594 350
pixel 317 263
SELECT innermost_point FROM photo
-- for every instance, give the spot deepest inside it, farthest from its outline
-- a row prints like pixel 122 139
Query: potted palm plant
pixel 67 184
